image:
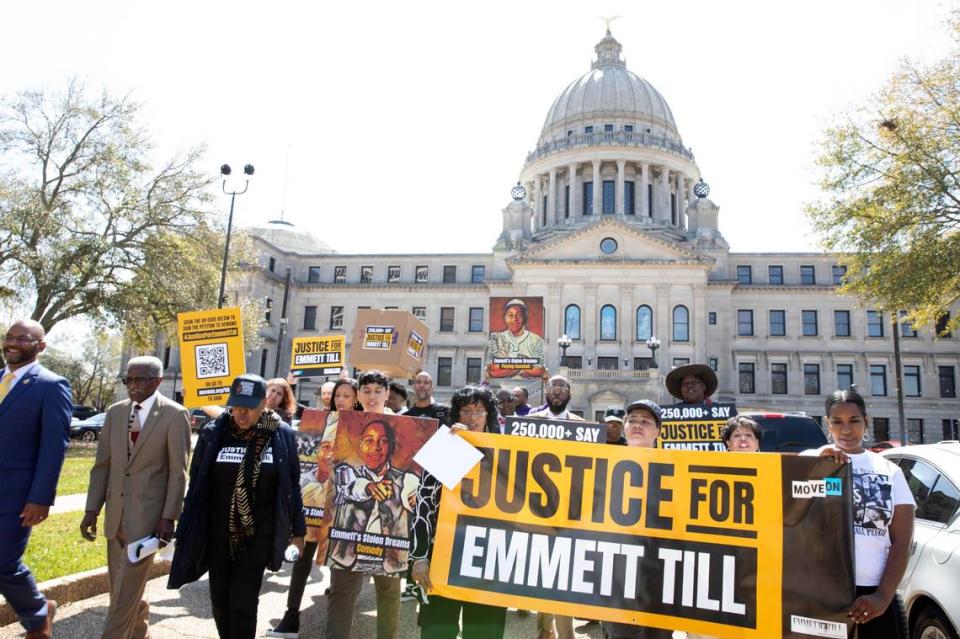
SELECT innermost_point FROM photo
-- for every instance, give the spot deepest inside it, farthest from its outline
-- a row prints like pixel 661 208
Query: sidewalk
pixel 69 503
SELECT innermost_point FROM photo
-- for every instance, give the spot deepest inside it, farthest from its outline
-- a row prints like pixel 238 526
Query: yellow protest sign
pixel 211 354
pixel 317 355
pixel 694 427
pixel 667 539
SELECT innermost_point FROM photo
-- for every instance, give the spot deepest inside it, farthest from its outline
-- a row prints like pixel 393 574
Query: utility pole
pixel 283 324
pixel 898 375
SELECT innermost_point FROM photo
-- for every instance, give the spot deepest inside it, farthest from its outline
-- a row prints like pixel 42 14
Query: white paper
pixel 448 457
pixel 137 550
pixel 167 553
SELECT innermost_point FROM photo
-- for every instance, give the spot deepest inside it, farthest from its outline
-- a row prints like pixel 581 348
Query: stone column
pixel 537 204
pixel 663 327
pixel 552 207
pixel 620 209
pixel 681 192
pixel 588 320
pixel 643 179
pixel 698 323
pixel 663 195
pixel 597 190
pixel 574 213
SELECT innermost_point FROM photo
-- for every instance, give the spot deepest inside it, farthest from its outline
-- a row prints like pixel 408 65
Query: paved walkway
pixel 69 503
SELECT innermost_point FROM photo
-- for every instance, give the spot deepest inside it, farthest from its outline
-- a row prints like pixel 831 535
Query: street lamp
pixel 653 344
pixel 564 343
pixel 225 171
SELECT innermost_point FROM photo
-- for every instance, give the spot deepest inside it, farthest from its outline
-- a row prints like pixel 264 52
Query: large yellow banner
pixel 211 354
pixel 669 539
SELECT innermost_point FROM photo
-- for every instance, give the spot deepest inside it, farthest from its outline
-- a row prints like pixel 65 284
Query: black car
pixel 81 412
pixel 89 429
pixel 787 432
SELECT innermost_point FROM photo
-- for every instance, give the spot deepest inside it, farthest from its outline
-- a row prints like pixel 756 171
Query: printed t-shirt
pixel 223 476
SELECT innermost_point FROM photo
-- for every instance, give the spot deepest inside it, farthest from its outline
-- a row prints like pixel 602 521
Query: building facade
pixel 612 226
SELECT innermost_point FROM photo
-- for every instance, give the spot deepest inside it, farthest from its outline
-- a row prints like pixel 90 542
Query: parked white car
pixel 931 584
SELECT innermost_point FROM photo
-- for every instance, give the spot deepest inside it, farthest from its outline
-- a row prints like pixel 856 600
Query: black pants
pixel 441 619
pixel 299 576
pixel 892 624
pixel 235 586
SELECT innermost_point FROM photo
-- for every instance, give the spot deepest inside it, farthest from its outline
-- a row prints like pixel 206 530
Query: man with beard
pixel 35 411
pixel 423 404
pixel 523 397
pixel 692 384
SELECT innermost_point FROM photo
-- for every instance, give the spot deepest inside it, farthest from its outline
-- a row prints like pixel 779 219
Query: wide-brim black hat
pixel 704 372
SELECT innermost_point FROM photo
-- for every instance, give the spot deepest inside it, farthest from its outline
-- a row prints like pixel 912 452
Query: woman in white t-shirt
pixel 882 520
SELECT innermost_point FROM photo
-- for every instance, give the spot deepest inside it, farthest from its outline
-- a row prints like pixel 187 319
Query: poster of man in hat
pixel 515 348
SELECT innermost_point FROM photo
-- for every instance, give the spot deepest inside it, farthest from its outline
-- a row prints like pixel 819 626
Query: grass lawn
pixel 57 549
pixel 75 476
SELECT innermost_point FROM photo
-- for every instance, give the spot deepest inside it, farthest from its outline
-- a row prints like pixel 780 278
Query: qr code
pixel 212 361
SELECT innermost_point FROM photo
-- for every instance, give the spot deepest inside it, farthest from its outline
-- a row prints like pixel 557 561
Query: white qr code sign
pixel 212 361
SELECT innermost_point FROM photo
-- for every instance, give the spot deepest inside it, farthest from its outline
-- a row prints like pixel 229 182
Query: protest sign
pixel 211 354
pixel 316 462
pixel 515 346
pixel 375 485
pixel 694 426
pixel 391 341
pixel 559 429
pixel 668 539
pixel 316 355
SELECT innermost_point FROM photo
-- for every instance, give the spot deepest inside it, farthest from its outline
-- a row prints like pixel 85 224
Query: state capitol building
pixel 612 226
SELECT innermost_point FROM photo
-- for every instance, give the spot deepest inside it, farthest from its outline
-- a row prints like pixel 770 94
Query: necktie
pixel 133 427
pixel 5 384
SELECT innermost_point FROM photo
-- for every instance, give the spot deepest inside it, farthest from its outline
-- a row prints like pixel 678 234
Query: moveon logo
pixel 829 487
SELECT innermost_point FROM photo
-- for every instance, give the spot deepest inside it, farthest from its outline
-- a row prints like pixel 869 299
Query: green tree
pixel 891 177
pixel 92 372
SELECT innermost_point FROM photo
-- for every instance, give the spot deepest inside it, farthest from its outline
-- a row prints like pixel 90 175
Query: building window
pixel 309 318
pixel 477 273
pixel 680 361
pixel 587 198
pixel 473 370
pixel 844 376
pixel 608 245
pixel 566 201
pixel 313 275
pixel 878 380
pixel 608 323
pixel 366 274
pixel 811 379
pixel 650 201
pixel 778 378
pixel 449 274
pixel 339 274
pixel 915 431
pixel 808 275
pixel 948 383
pixel 712 318
pixel 642 363
pixel 420 312
pixel 681 324
pixel 841 323
pixel 949 429
pixel 839 274
pixel 608 128
pixel 714 363
pixel 264 353
pixel 629 202
pixel 608 363
pixel 609 196
pixel 881 429
pixel 906 328
pixel 268 310
pixel 628 128
pixel 745 274
pixel 336 318
pixel 543 212
pixel 744 323
pixel 571 321
pixel 446 319
pixel 911 381
pixel 775 274
pixel 809 319
pixel 444 371
pixel 778 323
pixel 573 361
pixel 476 319
pixel 393 274
pixel 747 378
pixel 942 322
pixel 644 323
pixel 272 264
pixel 422 274
pixel 874 323
pixel 588 129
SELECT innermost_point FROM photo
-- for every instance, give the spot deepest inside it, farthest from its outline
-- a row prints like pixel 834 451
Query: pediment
pixel 633 245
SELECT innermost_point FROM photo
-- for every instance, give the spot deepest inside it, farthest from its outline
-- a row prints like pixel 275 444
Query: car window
pixel 920 477
pixel 789 433
pixel 942 502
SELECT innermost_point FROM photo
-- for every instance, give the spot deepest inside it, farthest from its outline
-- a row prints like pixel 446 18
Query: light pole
pixel 653 344
pixel 225 171
pixel 564 343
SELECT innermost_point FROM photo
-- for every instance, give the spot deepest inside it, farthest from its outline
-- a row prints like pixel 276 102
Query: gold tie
pixel 5 385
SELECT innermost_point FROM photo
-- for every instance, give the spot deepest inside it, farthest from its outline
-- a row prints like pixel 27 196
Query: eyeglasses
pixel 130 381
pixel 468 413
pixel 22 340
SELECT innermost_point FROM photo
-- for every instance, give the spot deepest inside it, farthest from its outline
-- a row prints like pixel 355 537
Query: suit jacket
pixel 149 485
pixel 35 430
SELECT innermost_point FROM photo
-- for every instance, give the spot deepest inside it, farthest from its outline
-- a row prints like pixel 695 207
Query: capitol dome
pixel 286 237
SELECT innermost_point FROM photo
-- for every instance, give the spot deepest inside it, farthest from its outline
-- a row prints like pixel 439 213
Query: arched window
pixel 608 322
pixel 571 321
pixel 681 324
pixel 644 323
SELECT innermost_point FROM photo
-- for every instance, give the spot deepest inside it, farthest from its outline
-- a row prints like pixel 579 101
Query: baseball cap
pixel 647 405
pixel 247 391
pixel 614 414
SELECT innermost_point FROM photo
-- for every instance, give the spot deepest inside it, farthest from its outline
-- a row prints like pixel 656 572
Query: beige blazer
pixel 149 485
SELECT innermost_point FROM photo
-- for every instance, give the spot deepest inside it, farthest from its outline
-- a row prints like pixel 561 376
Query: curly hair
pixel 352 383
pixel 475 395
pixel 288 403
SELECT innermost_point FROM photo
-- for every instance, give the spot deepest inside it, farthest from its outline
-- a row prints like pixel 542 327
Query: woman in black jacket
pixel 242 507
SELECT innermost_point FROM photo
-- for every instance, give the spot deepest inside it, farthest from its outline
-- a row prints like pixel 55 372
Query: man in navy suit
pixel 35 412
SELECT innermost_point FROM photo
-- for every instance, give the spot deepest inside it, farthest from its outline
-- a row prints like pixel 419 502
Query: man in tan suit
pixel 140 473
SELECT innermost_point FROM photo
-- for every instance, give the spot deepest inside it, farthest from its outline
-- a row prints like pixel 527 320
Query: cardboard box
pixel 394 342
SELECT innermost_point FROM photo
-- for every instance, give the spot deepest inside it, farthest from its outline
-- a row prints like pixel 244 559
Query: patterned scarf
pixel 240 524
